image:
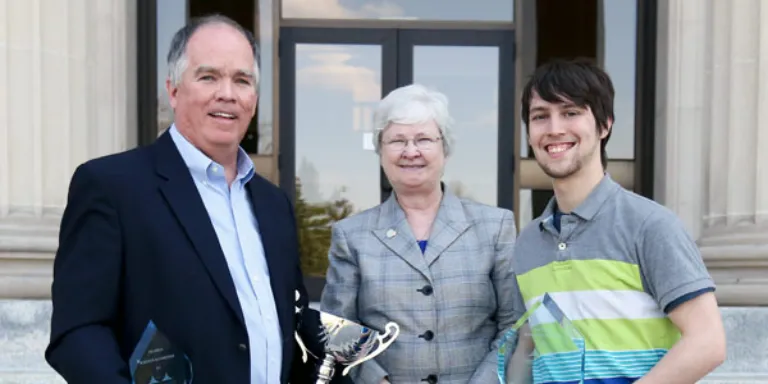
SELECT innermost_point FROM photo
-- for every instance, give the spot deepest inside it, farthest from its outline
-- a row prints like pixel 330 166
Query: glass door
pixel 330 82
pixel 475 70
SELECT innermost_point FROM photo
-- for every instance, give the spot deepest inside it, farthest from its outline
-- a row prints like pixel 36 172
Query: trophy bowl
pixel 348 343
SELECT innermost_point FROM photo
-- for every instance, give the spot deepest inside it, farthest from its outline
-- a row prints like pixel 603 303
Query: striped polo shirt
pixel 615 266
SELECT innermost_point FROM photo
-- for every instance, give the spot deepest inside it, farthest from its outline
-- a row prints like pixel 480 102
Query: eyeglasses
pixel 422 143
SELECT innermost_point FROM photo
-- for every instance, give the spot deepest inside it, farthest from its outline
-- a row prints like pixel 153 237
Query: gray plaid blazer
pixel 452 302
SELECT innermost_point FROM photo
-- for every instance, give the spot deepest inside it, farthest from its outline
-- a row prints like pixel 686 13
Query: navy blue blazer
pixel 136 244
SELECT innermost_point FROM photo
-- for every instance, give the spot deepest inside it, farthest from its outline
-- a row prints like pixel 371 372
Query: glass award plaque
pixel 156 360
pixel 542 347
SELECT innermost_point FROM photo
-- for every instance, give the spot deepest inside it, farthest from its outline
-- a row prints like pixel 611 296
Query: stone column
pixel 734 234
pixel 67 94
pixel 711 169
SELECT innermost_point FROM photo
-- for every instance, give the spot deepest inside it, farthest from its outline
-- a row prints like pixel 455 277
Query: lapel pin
pixel 391 233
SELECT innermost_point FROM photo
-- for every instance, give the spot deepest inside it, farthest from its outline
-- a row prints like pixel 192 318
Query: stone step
pixel 11 377
pixel 24 330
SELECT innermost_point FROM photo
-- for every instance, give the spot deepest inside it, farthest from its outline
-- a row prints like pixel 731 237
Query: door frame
pixel 397 45
pixel 289 37
pixel 504 39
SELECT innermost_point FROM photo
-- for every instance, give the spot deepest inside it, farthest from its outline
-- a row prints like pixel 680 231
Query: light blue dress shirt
pixel 238 231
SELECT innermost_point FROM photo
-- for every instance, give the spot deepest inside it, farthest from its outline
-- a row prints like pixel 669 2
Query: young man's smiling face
pixel 564 136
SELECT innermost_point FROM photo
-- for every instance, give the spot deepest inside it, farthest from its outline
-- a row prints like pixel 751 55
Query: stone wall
pixel 67 94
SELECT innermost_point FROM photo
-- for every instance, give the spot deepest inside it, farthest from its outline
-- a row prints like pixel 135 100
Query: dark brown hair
pixel 580 82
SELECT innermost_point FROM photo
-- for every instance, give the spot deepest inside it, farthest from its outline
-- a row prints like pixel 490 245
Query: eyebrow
pixel 208 69
pixel 562 105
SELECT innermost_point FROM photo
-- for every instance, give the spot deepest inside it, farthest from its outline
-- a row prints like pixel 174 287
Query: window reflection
pixel 477 10
pixel 171 16
pixel 525 213
pixel 617 49
pixel 469 77
pixel 532 204
pixel 337 171
pixel 265 36
pixel 523 147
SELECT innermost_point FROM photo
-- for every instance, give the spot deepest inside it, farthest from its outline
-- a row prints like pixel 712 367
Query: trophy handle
pixel 304 349
pixel 385 340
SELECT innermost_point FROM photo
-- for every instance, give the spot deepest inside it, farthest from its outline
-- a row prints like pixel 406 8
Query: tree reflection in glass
pixel 314 222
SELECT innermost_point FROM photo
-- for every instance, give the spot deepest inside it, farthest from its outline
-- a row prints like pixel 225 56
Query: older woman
pixel 436 264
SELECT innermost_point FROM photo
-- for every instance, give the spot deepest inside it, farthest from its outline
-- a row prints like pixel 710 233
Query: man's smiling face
pixel 564 136
pixel 215 99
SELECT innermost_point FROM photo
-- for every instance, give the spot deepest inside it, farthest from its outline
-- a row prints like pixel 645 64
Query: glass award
pixel 542 347
pixel 156 360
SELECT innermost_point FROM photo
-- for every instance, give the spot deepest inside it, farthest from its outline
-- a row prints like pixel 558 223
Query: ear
pixel 172 91
pixel 604 132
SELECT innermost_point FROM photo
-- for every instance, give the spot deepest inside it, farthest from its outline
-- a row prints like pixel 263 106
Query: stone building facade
pixel 70 91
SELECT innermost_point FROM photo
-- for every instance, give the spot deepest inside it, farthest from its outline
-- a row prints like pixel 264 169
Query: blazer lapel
pixel 272 234
pixel 450 223
pixel 395 233
pixel 179 191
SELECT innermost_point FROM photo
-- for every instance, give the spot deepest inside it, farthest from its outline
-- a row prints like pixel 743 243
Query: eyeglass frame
pixel 424 145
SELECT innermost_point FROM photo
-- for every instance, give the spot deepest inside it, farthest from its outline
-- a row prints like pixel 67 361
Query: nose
pixel 556 126
pixel 226 91
pixel 410 150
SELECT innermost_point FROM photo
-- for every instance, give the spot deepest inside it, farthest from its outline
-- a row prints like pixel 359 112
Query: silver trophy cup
pixel 348 343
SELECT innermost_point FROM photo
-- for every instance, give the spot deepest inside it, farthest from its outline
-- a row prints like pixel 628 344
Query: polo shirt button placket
pixel 562 253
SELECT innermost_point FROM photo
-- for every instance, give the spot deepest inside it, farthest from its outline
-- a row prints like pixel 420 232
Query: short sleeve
pixel 670 262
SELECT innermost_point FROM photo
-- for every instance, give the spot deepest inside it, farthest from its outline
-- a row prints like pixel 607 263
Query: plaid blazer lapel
pixel 395 233
pixel 449 225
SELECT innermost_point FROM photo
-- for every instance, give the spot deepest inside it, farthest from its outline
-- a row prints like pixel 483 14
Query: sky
pixel 339 85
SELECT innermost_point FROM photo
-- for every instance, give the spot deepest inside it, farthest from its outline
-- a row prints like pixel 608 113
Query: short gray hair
pixel 177 54
pixel 413 104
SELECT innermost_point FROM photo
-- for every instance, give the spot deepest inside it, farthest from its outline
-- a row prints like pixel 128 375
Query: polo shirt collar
pixel 592 204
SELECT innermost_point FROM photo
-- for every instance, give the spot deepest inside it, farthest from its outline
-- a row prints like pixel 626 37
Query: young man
pixel 620 266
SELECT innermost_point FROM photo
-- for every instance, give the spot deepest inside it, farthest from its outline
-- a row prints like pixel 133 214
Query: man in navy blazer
pixel 184 233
